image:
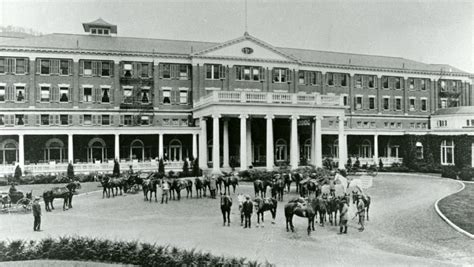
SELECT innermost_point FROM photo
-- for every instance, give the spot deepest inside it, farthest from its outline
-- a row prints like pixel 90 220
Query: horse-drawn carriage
pixel 16 201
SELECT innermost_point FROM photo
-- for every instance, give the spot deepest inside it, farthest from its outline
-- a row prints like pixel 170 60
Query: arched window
pixel 137 150
pixel 175 149
pixel 54 150
pixel 307 149
pixel 281 150
pixel 96 150
pixel 365 150
pixel 9 151
pixel 419 150
pixel 447 152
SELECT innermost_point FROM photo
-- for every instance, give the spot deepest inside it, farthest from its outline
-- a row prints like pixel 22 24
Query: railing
pixel 387 161
pixel 271 98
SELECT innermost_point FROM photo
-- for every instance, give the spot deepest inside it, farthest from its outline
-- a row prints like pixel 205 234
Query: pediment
pixel 248 48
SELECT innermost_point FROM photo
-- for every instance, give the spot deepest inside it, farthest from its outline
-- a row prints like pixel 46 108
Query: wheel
pixel 25 204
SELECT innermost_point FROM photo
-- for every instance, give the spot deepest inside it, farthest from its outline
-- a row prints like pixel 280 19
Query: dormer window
pixel 100 27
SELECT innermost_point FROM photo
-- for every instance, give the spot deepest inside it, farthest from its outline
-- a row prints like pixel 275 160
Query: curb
pixel 457 228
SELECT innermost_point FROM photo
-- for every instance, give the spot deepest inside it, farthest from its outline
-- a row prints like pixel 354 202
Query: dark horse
pixel 234 181
pixel 265 204
pixel 301 209
pixel 200 187
pixel 176 187
pixel 260 187
pixel 297 177
pixel 278 186
pixel 189 188
pixel 226 204
pixel 150 186
pixel 226 182
pixel 65 193
pixel 333 206
pixel 117 184
pixel 287 179
pixel 104 181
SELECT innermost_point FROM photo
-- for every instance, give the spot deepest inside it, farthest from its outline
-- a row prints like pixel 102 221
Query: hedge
pixel 98 250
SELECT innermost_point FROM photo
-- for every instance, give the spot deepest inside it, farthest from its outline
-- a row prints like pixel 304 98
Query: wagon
pixel 15 202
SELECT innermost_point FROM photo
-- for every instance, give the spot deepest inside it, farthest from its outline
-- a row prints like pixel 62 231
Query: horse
pixel 219 182
pixel 150 186
pixel 265 204
pixel 306 210
pixel 116 185
pixel 176 187
pixel 199 185
pixel 321 208
pixel 234 181
pixel 367 201
pixel 278 186
pixel 287 180
pixel 226 204
pixel 5 199
pixel 333 206
pixel 226 183
pixel 104 181
pixel 260 187
pixel 308 187
pixel 65 193
pixel 297 177
pixel 189 188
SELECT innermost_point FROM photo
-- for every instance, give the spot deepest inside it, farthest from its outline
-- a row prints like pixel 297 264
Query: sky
pixel 436 31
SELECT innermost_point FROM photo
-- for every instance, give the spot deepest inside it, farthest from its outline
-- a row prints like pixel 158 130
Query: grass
pixel 458 208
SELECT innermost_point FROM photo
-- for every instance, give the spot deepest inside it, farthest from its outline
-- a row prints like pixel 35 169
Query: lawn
pixel 459 209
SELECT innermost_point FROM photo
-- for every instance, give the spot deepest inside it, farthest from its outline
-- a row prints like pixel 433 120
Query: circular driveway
pixel 403 228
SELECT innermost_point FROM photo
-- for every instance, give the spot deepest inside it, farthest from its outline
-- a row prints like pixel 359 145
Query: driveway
pixel 403 228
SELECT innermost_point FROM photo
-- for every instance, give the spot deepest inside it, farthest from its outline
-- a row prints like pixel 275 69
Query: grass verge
pixel 458 208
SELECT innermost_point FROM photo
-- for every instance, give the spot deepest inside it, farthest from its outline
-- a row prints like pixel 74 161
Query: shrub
pixel 18 174
pixel 380 164
pixel 161 167
pixel 185 172
pixel 116 171
pixel 70 171
pixel 466 174
pixel 449 172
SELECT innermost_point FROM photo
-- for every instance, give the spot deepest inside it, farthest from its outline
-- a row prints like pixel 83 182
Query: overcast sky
pixel 427 31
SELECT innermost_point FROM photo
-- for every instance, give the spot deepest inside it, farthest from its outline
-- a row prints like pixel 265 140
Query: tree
pixel 196 167
pixel 185 168
pixel 380 164
pixel 18 174
pixel 70 171
pixel 161 167
pixel 116 171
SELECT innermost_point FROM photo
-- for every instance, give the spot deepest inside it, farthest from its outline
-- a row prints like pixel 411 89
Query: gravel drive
pixel 403 229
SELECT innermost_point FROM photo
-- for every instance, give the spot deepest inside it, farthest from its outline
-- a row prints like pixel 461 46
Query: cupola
pixel 100 27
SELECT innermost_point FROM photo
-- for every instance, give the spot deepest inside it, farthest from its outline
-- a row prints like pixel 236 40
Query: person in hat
pixel 247 209
pixel 36 214
pixel 361 212
pixel 213 186
pixel 344 217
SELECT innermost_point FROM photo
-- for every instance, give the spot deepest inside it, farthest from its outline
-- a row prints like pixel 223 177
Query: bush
pixel 466 174
pixel 97 250
pixel 380 164
pixel 449 172
pixel 18 173
pixel 70 171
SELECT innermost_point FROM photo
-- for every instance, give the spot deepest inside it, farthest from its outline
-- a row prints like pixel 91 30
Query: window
pixel 412 104
pixel 358 81
pixel 87 97
pixel 214 71
pixel 105 119
pixel 385 82
pixel 442 123
pixel 392 125
pixel 105 95
pixel 399 125
pixel 2 119
pixel 372 124
pixel 145 120
pixel 386 103
pixel 371 102
pixel 412 125
pixel 255 74
pixel 301 79
pixel 105 69
pixel 87 119
pixel 20 66
pixel 64 68
pixel 444 103
pixel 442 85
pixel 20 93
pixel 44 119
pixel 423 105
pixel 411 83
pixel 423 84
pixel 343 79
pixel 127 95
pixel 249 73
pixel 385 124
pixel 183 97
pixel 87 70
pixel 398 103
pixel 330 79
pixel 419 150
pixel 128 69
pixel 447 152
pixel 145 96
pixel 3 65
pixel 45 96
pixel 64 94
pixel 183 72
pixel 45 66
pixel 358 102
pixel 166 71
pixel 64 119
pixel 280 75
pixel 371 81
pixel 127 120
pixel 345 100
pixel 2 93
pixel 166 97
pixel 398 83
pixel 19 119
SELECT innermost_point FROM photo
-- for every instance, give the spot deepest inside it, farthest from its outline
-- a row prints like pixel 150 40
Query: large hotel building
pixel 95 97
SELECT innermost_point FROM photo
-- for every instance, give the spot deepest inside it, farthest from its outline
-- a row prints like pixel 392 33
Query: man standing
pixel 213 186
pixel 361 212
pixel 344 217
pixel 247 209
pixel 165 188
pixel 36 214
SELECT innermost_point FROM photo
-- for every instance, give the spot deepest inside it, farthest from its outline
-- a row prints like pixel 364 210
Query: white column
pixel 249 143
pixel 243 141
pixel 269 155
pixel 216 163
pixel 117 147
pixel 376 150
pixel 313 144
pixel 294 143
pixel 160 146
pixel 70 152
pixel 318 148
pixel 203 144
pixel 226 145
pixel 342 144
pixel 21 152
pixel 194 146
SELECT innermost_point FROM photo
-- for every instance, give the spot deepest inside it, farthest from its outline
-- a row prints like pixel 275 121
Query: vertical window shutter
pixel 38 66
pixel 25 119
pixel 111 119
pixel 8 94
pixel 99 119
pixel 99 64
pixel 111 68
pixel 50 94
pixel 94 119
pixel 57 119
pixel 150 70
pixel 69 67
pixel 11 119
pixel 97 96
pixel 111 95
pixel 81 119
pixel 55 66
pixel 139 69
pixel 27 93
pixel 38 119
pixel 121 119
pixel 135 69
pixel 56 93
pixel 69 119
pixel 176 96
pixel 70 90
pixel 262 73
pixel 38 94
pixel 365 81
pixel 160 70
pixel 51 119
pixel 81 67
pixel 81 94
pixel 95 71
pixel 288 75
